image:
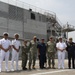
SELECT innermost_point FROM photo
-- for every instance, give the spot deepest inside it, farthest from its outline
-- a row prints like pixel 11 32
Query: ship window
pixel 33 16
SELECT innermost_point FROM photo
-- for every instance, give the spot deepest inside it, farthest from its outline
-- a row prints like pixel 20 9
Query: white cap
pixel 60 37
pixel 16 34
pixel 5 33
pixel 34 37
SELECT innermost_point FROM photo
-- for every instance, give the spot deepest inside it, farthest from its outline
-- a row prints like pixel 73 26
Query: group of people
pixel 48 50
pixel 36 48
pixel 5 46
pixel 40 49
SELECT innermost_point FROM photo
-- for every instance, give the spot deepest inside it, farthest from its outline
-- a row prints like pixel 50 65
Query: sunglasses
pixel 51 38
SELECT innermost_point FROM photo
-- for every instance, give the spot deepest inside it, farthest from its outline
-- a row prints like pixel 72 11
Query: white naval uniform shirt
pixel 5 43
pixel 16 43
pixel 61 54
pixel 61 45
pixel 0 53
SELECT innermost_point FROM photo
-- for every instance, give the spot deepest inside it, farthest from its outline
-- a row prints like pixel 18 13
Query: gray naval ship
pixel 27 20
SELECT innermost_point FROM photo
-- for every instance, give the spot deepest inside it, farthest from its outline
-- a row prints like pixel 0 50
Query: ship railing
pixel 27 6
pixel 68 26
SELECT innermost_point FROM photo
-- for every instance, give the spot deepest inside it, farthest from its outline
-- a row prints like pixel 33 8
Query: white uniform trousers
pixel 0 59
pixel 15 56
pixel 6 56
pixel 61 57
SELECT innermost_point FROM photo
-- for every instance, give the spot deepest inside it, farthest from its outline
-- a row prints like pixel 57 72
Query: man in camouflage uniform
pixel 25 50
pixel 33 52
pixel 51 52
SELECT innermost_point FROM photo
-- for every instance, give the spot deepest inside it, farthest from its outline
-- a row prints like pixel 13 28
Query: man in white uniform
pixel 61 47
pixel 15 51
pixel 5 46
pixel 0 57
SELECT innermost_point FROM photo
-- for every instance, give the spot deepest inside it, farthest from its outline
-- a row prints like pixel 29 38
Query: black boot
pixel 23 68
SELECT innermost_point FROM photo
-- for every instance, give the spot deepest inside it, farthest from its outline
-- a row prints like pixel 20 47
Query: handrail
pixel 27 6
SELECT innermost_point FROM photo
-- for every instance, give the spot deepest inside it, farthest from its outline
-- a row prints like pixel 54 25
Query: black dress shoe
pixel 44 67
pixel 73 68
pixel 69 68
pixel 41 67
pixel 49 68
pixel 24 68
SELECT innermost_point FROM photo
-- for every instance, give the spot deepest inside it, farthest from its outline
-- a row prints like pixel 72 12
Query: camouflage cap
pixel 34 37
